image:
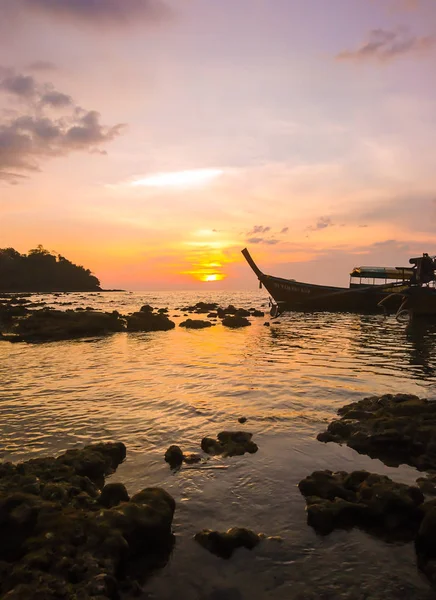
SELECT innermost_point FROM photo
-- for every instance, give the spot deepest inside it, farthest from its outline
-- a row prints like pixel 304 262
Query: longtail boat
pixel 408 290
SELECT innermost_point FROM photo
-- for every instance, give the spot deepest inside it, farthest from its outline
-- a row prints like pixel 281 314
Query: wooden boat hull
pixel 292 295
pixel 295 295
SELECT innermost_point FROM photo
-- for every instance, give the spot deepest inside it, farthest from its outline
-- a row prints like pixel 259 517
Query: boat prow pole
pixel 252 264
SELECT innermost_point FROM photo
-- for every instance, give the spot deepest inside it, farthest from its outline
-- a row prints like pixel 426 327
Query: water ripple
pixel 152 390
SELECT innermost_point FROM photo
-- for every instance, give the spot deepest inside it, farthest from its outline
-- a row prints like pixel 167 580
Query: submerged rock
pixel 174 456
pixel 230 443
pixel 191 458
pixel 223 544
pixel 148 321
pixel 235 322
pixel 56 538
pixel 242 420
pixel 200 307
pixel 10 308
pixel 373 502
pixel 195 324
pixel 396 429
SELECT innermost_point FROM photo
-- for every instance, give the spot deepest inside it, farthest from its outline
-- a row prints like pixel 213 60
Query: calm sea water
pixel 153 390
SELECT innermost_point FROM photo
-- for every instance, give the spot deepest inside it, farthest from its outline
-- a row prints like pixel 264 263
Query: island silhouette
pixel 41 270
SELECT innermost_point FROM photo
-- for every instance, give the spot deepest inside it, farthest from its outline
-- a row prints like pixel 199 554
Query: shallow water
pixel 152 390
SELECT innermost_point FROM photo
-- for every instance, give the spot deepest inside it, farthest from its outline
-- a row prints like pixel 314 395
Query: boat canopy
pixel 402 273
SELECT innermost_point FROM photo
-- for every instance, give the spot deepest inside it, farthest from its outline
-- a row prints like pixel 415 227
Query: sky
pixel 152 140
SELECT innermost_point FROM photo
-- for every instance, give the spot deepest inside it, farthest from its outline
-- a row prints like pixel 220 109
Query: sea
pixel 151 390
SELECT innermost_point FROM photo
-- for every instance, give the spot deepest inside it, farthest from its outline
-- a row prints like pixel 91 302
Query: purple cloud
pixel 260 240
pixel 384 45
pixel 35 135
pixel 322 223
pixel 19 85
pixel 259 229
pixel 42 65
pixel 93 12
pixel 56 99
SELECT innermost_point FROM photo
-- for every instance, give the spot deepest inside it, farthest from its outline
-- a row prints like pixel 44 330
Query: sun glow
pixel 179 179
pixel 213 277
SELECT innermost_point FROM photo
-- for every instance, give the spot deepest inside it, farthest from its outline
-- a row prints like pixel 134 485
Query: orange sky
pixel 152 141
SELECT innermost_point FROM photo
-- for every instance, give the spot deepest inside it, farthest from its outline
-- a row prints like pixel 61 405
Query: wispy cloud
pixel 36 132
pixel 259 229
pixel 261 240
pixel 41 65
pixel 56 99
pixel 385 45
pixel 322 223
pixel 93 12
pixel 17 84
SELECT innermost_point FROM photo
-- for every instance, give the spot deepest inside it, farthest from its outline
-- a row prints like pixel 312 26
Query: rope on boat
pixel 402 310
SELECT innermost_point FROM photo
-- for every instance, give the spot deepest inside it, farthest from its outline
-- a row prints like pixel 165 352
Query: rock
pixel 258 313
pixel 211 446
pixel 146 308
pixel 48 324
pixel 205 307
pixel 145 521
pixel 174 456
pixel 18 517
pixel 190 458
pixel 229 443
pixel 224 544
pixel 235 322
pixel 147 321
pixel 195 324
pixel 241 312
pixel 242 420
pixel 373 502
pixel 425 542
pixel 59 542
pixel 9 311
pixel 113 494
pixel 267 324
pixel 427 485
pixel 396 429
pixel 95 461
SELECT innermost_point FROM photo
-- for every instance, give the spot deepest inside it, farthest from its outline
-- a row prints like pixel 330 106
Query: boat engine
pixel 424 268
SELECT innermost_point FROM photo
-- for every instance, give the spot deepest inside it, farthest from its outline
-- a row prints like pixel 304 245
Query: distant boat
pixel 404 290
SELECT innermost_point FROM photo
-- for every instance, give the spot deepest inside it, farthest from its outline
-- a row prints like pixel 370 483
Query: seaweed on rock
pixel 58 541
pixel 397 429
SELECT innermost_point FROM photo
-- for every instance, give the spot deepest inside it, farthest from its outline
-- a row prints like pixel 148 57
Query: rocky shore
pixel 67 535
pixel 21 320
pixel 397 429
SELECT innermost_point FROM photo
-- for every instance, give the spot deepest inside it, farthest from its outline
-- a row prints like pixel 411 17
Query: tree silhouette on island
pixel 43 271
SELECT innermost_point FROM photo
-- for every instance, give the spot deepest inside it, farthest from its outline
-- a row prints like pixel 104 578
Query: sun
pixel 212 277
